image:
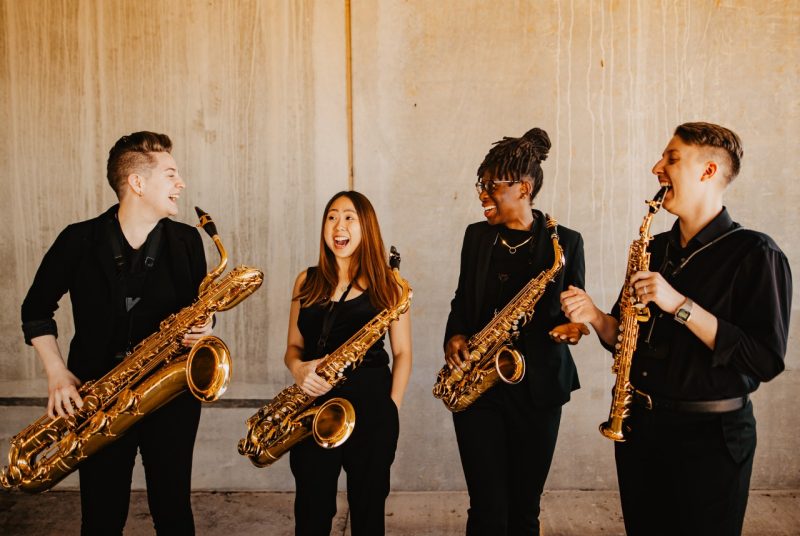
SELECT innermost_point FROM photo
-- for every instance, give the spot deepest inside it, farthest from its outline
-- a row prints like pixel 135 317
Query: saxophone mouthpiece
pixel 394 258
pixel 655 203
pixel 206 222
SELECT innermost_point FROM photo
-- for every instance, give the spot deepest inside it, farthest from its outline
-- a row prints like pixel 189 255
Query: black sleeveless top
pixel 351 316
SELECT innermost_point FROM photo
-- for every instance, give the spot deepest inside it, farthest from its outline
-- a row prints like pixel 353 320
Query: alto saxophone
pixel 291 416
pixel 491 354
pixel 158 370
pixel 631 313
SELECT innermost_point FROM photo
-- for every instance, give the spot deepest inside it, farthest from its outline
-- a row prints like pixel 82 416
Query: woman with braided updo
pixel 506 438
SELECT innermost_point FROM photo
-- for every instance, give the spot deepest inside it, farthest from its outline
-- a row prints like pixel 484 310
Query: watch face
pixel 683 314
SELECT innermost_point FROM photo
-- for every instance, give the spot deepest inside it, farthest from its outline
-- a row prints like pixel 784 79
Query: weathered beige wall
pixel 253 95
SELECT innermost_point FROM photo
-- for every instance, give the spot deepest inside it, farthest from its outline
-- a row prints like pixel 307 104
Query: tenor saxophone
pixel 491 354
pixel 291 416
pixel 631 313
pixel 157 370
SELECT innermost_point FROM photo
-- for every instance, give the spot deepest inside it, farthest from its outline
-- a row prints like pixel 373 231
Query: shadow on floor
pixel 564 513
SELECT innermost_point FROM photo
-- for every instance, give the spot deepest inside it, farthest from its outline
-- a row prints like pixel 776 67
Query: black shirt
pixel 508 272
pixel 81 262
pixel 741 277
pixel 131 311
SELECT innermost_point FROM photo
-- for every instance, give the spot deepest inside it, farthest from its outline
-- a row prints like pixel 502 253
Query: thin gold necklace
pixel 513 249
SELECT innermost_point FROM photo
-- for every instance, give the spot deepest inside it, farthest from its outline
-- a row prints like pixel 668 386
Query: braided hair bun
pixel 516 158
pixel 537 142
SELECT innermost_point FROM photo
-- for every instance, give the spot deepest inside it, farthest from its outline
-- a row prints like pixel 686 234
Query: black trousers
pixel 166 441
pixel 366 458
pixel 506 446
pixel 686 474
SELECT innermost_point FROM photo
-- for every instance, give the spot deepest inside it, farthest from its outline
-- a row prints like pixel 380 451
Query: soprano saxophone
pixel 158 370
pixel 291 416
pixel 631 313
pixel 491 354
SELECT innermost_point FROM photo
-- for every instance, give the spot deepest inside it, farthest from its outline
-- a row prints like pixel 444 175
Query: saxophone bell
pixel 510 365
pixel 208 369
pixel 333 423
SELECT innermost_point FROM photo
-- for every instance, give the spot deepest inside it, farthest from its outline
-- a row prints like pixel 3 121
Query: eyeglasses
pixel 489 186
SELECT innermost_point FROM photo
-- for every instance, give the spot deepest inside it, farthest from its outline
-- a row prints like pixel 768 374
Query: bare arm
pixel 400 339
pixel 304 372
pixel 62 385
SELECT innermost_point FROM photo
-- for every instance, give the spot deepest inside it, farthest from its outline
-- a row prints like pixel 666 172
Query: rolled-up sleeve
pixel 49 285
pixel 753 342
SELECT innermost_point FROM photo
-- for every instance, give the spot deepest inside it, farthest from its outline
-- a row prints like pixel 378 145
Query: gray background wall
pixel 253 96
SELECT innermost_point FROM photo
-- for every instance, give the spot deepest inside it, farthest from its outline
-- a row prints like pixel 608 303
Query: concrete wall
pixel 253 95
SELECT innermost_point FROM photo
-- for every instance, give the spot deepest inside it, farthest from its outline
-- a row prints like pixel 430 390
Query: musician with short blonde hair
pixel 719 297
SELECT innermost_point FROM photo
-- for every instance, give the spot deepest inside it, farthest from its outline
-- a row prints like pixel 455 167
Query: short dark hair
pixel 711 135
pixel 132 153
pixel 515 158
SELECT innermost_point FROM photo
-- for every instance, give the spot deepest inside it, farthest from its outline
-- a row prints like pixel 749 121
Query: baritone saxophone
pixel 158 370
pixel 491 354
pixel 631 314
pixel 291 417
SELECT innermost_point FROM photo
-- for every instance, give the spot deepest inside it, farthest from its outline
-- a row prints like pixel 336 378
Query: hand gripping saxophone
pixel 491 354
pixel 290 417
pixel 631 313
pixel 158 370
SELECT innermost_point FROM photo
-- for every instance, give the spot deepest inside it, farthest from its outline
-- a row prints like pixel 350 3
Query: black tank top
pixel 351 316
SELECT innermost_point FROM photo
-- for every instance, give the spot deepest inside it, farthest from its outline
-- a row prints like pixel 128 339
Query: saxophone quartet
pixel 291 416
pixel 158 370
pixel 491 354
pixel 631 313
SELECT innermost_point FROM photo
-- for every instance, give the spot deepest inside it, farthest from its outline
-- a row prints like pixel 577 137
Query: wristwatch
pixel 684 311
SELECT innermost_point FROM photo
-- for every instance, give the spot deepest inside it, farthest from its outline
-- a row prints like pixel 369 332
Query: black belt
pixel 689 406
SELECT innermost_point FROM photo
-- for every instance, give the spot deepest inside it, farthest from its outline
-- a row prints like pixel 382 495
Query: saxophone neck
pixel 558 252
pixel 405 289
pixel 211 229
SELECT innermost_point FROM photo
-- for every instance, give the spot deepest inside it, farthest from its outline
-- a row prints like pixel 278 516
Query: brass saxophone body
pixel 491 354
pixel 631 314
pixel 292 416
pixel 157 370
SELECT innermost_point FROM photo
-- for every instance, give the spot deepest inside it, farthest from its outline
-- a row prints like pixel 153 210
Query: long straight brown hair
pixel 367 265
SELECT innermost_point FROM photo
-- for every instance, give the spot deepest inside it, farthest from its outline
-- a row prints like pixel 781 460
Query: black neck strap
pixel 327 322
pixel 116 239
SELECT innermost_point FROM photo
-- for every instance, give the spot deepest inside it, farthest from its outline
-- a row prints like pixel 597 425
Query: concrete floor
pixel 564 513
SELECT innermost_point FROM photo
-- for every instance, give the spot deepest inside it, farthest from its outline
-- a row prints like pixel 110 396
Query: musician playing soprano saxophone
pixel 507 437
pixel 720 298
pixel 126 271
pixel 332 301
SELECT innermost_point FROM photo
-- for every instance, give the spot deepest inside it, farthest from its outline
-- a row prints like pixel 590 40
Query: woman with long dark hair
pixel 506 438
pixel 350 285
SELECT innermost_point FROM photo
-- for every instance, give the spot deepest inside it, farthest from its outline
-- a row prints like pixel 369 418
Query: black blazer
pixel 550 369
pixel 81 262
